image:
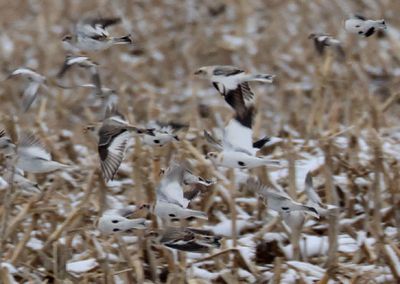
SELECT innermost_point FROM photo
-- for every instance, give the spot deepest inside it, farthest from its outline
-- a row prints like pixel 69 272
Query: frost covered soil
pixel 338 120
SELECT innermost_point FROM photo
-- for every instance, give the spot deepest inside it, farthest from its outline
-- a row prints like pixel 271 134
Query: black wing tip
pixel 360 17
pixel 260 143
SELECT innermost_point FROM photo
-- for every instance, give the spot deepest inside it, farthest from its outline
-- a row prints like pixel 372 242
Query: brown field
pixel 337 118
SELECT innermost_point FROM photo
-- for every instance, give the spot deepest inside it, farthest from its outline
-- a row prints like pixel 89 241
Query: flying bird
pixel 315 201
pixel 113 221
pixel 91 35
pixel 30 154
pixel 171 204
pixel 322 41
pixel 114 133
pixel 233 84
pixel 34 82
pixel 164 133
pixel 20 181
pixel 86 63
pixel 187 239
pixel 362 26
pixel 189 178
pixel 279 202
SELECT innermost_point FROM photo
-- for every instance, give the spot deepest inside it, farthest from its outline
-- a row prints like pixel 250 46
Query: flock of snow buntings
pixel 236 149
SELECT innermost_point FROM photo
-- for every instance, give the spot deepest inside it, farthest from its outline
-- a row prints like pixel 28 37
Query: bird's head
pixel 89 128
pixel 204 71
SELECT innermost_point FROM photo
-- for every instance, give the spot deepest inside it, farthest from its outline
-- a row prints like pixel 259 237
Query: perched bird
pixel 187 239
pixel 113 221
pixel 91 35
pixel 315 201
pixel 171 204
pixel 279 202
pixel 31 156
pixel 362 26
pixel 113 134
pixel 321 41
pixel 35 81
pixel 164 133
pixel 86 63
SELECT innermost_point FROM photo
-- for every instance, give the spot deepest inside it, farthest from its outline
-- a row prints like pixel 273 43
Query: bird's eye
pixel 115 230
pixel 114 221
pixel 156 141
pixel 171 215
pixel 383 22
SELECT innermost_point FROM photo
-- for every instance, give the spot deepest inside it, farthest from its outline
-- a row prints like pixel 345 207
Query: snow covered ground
pixel 336 119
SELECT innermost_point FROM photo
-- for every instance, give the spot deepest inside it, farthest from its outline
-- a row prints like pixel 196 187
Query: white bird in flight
pixel 115 220
pixel 29 155
pixel 237 149
pixel 171 203
pixel 279 202
pixel 35 81
pixel 365 27
pixel 91 35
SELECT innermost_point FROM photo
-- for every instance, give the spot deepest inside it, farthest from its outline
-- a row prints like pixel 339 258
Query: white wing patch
pixel 237 136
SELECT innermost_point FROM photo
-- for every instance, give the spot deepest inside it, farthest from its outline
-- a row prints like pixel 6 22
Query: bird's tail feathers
pixel 264 78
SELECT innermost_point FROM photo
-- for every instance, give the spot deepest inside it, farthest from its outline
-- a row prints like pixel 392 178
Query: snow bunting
pixel 189 178
pixel 32 157
pixel 91 35
pixel 237 149
pixel 321 41
pixel 35 81
pixel 20 181
pixel 113 221
pixel 114 133
pixel 315 201
pixel 232 83
pixel 164 133
pixel 279 202
pixel 171 204
pixel 362 26
pixel 187 239
pixel 83 62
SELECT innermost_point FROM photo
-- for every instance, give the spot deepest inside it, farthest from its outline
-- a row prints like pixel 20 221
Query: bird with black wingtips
pixel 237 147
pixel 117 221
pixel 171 203
pixel 189 178
pixel 323 41
pixel 233 84
pixel 315 201
pixel 31 91
pixel 279 202
pixel 91 35
pixel 186 239
pixel 363 26
pixel 114 133
pixel 29 154
pixel 164 133
pixel 86 63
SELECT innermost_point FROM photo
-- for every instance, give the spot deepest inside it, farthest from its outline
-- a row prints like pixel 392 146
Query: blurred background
pixel 340 116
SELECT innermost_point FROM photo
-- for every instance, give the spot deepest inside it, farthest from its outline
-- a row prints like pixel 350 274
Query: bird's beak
pixel 198 72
